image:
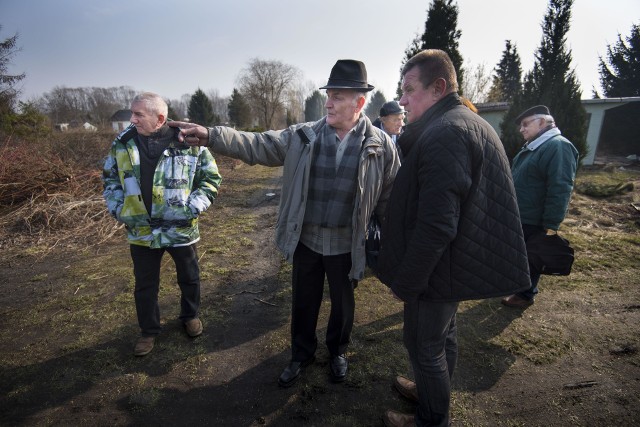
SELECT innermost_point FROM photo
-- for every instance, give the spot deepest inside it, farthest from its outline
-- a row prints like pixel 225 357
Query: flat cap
pixel 391 107
pixel 538 109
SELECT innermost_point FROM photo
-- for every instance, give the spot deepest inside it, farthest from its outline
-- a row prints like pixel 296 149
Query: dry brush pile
pixel 51 192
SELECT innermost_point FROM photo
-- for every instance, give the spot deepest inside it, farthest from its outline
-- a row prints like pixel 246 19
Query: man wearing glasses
pixel 543 173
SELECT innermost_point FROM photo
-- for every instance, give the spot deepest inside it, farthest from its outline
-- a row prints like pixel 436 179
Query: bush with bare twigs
pixel 51 191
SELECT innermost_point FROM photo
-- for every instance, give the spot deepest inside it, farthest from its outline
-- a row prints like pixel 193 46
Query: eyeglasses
pixel 526 123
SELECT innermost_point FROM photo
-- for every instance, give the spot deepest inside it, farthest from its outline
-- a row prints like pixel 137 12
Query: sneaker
pixel 193 327
pixel 144 345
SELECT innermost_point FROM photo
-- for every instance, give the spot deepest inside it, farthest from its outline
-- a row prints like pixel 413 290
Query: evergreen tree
pixel 551 82
pixel 8 91
pixel 620 76
pixel 171 114
pixel 239 111
pixel 314 106
pixel 507 80
pixel 414 48
pixel 440 32
pixel 373 108
pixel 200 109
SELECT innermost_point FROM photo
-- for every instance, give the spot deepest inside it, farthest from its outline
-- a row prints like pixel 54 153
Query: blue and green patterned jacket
pixel 185 183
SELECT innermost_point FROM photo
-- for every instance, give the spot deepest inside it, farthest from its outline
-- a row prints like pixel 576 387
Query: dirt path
pixel 67 328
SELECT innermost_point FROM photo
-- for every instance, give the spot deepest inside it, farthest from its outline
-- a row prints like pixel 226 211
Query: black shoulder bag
pixel 550 254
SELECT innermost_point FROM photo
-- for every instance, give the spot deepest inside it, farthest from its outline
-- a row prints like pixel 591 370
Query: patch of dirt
pixel 67 328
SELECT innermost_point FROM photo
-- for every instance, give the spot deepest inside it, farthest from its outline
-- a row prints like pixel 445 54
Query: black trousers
pixel 309 271
pixel 146 269
pixel 431 340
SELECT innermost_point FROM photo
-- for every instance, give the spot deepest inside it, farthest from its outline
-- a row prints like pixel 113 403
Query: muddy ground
pixel 67 330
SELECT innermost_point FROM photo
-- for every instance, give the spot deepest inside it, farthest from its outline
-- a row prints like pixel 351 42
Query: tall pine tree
pixel 239 110
pixel 620 76
pixel 200 109
pixel 314 106
pixel 373 107
pixel 440 32
pixel 507 80
pixel 551 82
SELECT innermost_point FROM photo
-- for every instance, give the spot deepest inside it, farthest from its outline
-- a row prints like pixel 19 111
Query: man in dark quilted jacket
pixel 452 230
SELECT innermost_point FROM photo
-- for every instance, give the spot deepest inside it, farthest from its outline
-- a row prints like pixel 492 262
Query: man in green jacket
pixel 157 187
pixel 544 172
pixel 336 173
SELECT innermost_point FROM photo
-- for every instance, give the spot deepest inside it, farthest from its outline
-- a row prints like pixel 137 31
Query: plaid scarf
pixel 332 191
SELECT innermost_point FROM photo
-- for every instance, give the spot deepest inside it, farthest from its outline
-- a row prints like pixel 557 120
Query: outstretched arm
pixel 191 133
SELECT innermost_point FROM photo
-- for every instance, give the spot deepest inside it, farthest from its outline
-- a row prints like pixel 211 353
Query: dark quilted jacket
pixel 452 230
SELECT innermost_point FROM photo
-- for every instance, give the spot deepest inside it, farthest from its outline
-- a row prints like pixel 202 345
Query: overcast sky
pixel 174 47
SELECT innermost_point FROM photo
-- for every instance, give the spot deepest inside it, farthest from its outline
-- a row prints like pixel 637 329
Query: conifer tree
pixel 440 32
pixel 620 75
pixel 314 106
pixel 9 90
pixel 507 80
pixel 239 110
pixel 551 82
pixel 373 108
pixel 200 109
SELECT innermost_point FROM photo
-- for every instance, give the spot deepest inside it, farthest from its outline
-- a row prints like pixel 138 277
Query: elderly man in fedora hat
pixel 391 119
pixel 544 172
pixel 336 173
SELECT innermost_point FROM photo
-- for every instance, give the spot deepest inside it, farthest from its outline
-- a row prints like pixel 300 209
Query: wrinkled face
pixel 393 123
pixel 531 126
pixel 416 99
pixel 342 108
pixel 145 121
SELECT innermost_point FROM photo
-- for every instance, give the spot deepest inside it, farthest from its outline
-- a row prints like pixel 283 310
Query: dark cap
pixel 538 109
pixel 391 107
pixel 348 74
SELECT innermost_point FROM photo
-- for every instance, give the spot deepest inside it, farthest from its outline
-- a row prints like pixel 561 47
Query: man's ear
pixel 161 119
pixel 360 102
pixel 439 87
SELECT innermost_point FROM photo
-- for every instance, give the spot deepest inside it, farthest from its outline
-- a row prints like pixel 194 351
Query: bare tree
pixel 219 104
pixel 97 105
pixel 477 82
pixel 265 84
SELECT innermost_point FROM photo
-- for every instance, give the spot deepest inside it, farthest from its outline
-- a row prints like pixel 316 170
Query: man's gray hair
pixel 154 103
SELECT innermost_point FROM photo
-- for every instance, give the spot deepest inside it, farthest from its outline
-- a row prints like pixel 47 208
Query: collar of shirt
pixel 542 139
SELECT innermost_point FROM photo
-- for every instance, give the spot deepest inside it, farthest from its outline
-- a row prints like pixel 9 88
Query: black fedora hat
pixel 348 74
pixel 538 109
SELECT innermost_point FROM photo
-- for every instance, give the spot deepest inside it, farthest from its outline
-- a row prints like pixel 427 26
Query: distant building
pixel 75 125
pixel 120 120
pixel 613 127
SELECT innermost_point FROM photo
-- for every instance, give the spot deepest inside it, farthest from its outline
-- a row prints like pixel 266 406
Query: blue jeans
pixel 430 338
pixel 146 269
pixel 530 294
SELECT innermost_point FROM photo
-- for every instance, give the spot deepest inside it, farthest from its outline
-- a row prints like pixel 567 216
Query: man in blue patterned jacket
pixel 157 187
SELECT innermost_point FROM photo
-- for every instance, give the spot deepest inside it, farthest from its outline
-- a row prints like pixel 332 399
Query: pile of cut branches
pixel 47 199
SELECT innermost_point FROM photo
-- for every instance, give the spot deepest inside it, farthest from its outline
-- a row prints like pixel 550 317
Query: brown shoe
pixel 398 419
pixel 144 346
pixel 193 327
pixel 406 387
pixel 516 301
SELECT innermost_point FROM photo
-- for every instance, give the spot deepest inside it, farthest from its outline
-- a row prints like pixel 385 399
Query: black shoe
pixel 338 368
pixel 292 372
